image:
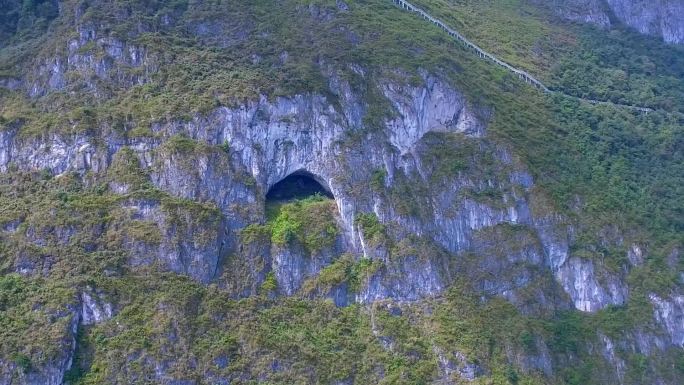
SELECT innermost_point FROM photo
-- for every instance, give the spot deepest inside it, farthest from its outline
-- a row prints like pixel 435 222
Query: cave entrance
pixel 298 185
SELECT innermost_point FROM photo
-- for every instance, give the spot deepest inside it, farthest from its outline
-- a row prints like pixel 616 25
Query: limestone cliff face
pixel 583 11
pixel 481 217
pixel 468 223
pixel 89 308
pixel 660 18
pixel 477 221
pixel 663 18
pixel 271 139
pixel 50 372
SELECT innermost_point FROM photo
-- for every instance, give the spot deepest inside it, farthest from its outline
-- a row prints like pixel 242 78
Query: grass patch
pixel 311 222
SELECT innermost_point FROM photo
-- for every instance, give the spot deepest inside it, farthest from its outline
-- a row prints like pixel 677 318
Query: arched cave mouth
pixel 298 185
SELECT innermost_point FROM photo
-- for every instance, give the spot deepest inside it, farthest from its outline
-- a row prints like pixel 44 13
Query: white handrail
pixel 486 55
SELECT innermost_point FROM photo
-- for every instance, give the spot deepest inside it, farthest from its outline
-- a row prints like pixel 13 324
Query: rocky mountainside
pixel 217 192
pixel 663 18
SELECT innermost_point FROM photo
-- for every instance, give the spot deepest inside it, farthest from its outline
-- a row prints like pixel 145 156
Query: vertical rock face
pixel 609 353
pixel 109 60
pixel 267 140
pixel 93 308
pixel 432 108
pixel 182 245
pixel 583 11
pixel 90 308
pixel 53 370
pixel 409 280
pixel 467 221
pixel 669 313
pixel 580 281
pixel 449 202
pixel 663 18
pixel 293 265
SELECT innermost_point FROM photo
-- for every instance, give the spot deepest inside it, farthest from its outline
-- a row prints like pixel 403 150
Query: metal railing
pixel 488 56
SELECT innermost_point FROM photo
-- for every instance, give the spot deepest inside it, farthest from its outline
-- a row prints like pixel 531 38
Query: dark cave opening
pixel 298 185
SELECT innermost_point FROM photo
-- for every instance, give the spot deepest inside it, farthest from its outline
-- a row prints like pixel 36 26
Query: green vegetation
pixel 79 230
pixel 296 340
pixel 372 229
pixel 377 181
pixel 557 139
pixel 311 341
pixel 623 67
pixel 598 166
pixel 270 283
pixel 22 19
pixel 625 165
pixel 355 272
pixel 311 222
pixel 284 341
pixel 125 169
pixel 23 361
pixel 517 31
pixel 450 154
pixel 32 319
pixel 620 66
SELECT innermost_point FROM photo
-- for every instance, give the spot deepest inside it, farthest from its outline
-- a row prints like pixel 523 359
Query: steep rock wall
pixel 662 18
pixel 269 139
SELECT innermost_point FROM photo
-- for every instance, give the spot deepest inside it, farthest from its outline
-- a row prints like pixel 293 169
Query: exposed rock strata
pixel 662 18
